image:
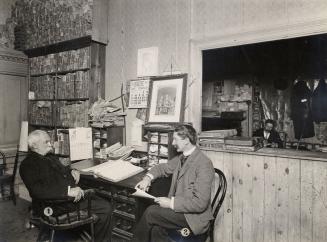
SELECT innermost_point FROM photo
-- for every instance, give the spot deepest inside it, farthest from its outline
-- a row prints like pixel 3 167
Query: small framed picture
pixel 167 99
pixel 147 61
pixel 138 94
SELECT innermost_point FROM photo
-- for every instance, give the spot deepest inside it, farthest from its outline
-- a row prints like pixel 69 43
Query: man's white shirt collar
pixel 189 152
pixel 266 134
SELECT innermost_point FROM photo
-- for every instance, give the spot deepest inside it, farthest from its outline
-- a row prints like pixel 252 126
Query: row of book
pixel 68 114
pixel 62 61
pixel 71 85
pixel 72 114
pixel 74 59
pixel 52 21
pixel 43 64
pixel 42 87
pixel 40 113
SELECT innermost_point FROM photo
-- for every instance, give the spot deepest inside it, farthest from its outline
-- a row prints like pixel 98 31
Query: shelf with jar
pixel 160 148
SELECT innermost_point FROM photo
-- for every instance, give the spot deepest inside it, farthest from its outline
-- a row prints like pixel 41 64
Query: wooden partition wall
pixel 13 96
pixel 272 198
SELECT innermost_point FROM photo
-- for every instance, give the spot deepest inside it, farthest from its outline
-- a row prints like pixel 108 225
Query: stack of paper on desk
pixel 114 171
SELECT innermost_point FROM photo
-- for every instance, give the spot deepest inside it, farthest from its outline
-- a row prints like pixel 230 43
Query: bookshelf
pixel 63 83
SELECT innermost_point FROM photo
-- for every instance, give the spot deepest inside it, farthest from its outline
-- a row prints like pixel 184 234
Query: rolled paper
pixel 23 137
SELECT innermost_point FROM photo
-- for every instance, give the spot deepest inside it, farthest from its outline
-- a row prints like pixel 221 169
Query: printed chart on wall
pixel 80 143
pixel 139 91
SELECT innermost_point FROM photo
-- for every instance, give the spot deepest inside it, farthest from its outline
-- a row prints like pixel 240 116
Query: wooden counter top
pixel 275 152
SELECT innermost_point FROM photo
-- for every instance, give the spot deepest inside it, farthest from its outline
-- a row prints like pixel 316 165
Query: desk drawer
pixel 116 236
pixel 124 207
pixel 122 226
pixel 123 195
pixel 124 215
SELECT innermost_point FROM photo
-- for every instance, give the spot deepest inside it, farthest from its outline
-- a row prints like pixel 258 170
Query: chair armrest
pixel 74 213
pixel 3 164
pixel 56 200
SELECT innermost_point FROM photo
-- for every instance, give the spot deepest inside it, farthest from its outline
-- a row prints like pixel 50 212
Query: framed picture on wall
pixel 167 99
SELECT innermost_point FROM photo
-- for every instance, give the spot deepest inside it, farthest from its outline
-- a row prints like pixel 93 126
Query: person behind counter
pixel 46 177
pixel 270 135
pixel 188 201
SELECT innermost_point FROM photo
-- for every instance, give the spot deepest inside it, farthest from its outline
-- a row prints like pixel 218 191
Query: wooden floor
pixel 13 221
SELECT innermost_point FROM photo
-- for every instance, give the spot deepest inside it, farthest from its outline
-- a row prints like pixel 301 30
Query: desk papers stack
pixel 114 171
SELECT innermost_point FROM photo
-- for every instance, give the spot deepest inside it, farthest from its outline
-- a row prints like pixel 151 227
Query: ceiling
pixel 304 57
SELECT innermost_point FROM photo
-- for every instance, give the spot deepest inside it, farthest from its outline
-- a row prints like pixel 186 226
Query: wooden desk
pixel 126 209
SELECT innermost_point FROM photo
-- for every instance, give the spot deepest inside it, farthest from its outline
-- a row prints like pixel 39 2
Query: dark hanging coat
pixel 319 102
pixel 301 113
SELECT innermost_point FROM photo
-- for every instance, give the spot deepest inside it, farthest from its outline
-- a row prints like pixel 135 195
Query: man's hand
pixel 77 193
pixel 144 184
pixel 76 175
pixel 163 202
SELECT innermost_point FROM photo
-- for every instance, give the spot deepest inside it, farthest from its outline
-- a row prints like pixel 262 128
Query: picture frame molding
pixel 153 81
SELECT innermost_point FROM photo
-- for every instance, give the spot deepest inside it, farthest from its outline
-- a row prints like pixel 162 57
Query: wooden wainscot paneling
pixel 12 62
pixel 271 198
pixel 13 97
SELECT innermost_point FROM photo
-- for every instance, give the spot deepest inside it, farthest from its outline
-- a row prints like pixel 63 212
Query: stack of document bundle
pixel 105 114
pixel 117 151
pixel 214 139
pixel 241 143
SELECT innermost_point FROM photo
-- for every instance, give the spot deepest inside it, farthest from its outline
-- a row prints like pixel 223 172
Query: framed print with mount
pixel 167 99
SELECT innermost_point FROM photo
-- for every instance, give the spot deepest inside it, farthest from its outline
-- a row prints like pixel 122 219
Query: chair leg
pixel 52 235
pixel 92 231
pixel 43 231
pixel 2 192
pixel 12 194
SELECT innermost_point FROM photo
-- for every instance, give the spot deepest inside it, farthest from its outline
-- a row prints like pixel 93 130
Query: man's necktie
pixel 183 159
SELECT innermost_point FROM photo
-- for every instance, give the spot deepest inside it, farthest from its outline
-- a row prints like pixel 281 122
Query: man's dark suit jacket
pixel 191 188
pixel 45 178
pixel 273 137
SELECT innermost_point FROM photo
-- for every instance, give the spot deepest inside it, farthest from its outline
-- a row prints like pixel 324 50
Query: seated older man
pixel 46 177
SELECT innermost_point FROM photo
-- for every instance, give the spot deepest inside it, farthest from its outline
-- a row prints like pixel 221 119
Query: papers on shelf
pixel 141 193
pixel 114 171
pixel 80 143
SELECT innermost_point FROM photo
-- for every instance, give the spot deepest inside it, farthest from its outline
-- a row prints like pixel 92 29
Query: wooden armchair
pixel 49 219
pixel 185 235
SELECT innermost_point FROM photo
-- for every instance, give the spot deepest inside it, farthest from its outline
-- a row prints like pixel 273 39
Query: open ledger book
pixel 114 171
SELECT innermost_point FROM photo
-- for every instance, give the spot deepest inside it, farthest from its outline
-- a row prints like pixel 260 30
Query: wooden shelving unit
pixel 160 148
pixel 60 98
